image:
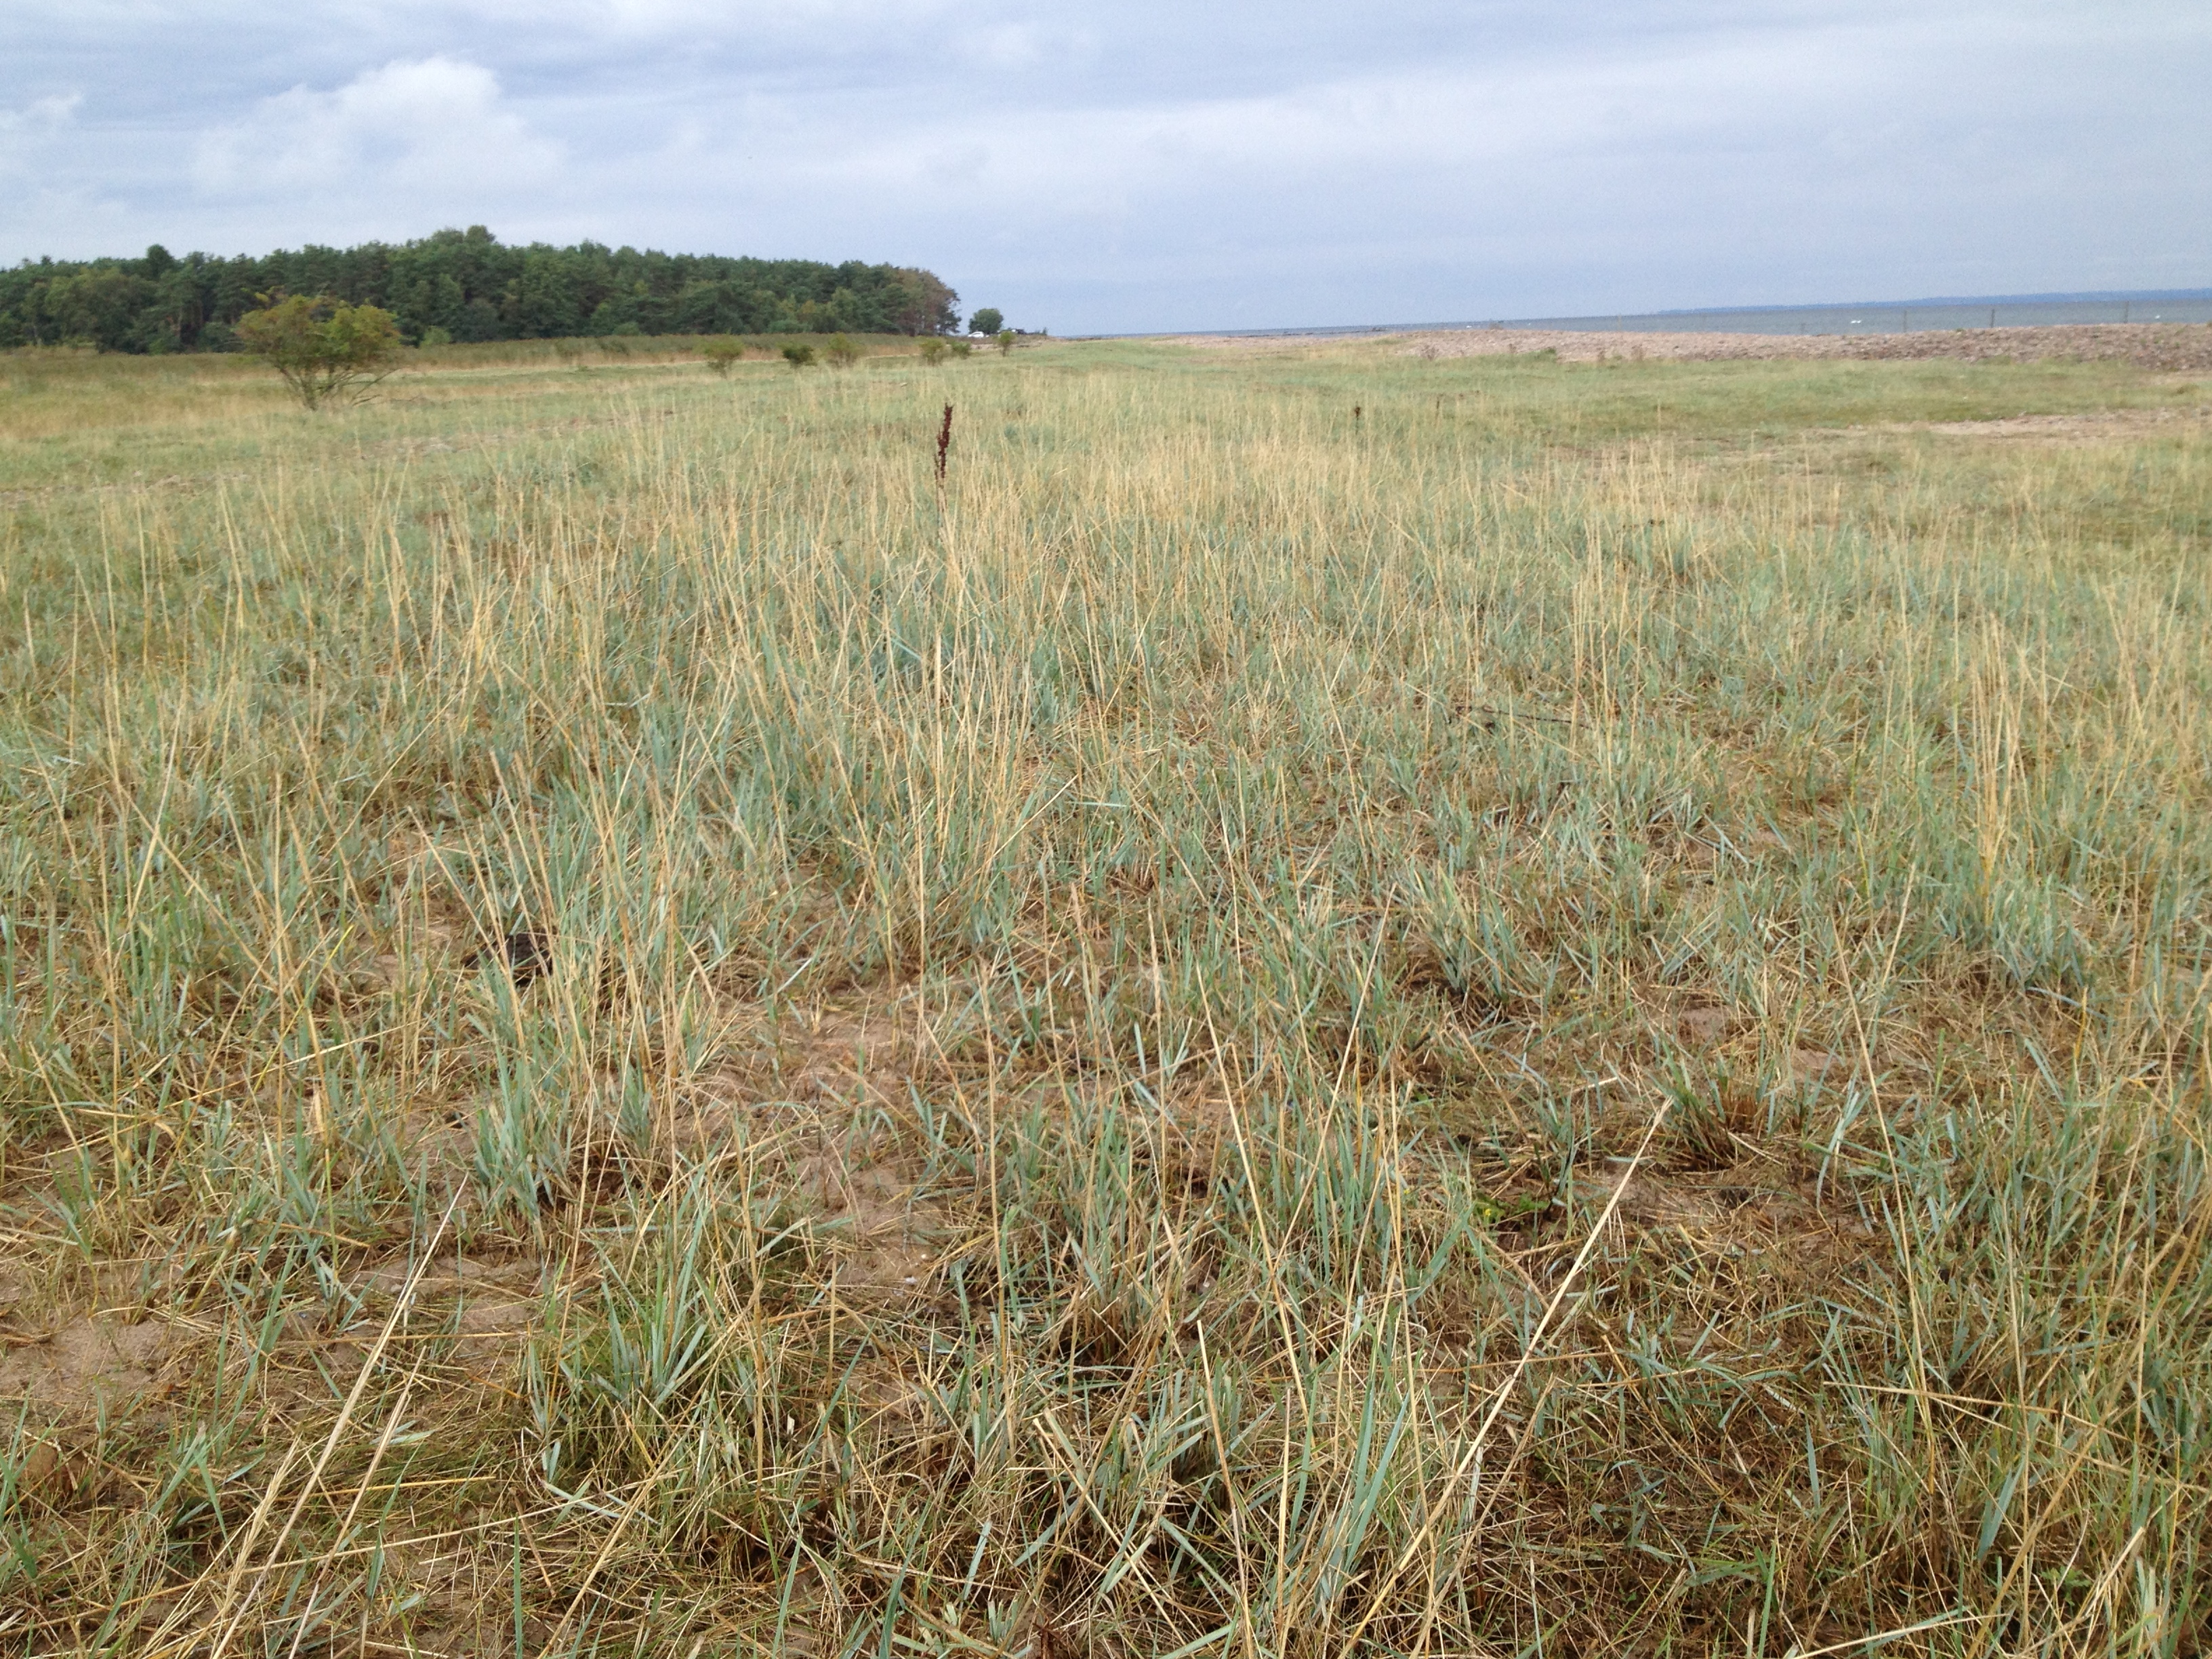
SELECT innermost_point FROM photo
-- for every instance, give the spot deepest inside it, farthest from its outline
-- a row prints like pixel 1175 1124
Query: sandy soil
pixel 2185 346
pixel 2106 422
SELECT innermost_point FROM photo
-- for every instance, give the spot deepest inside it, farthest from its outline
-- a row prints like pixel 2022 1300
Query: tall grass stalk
pixel 1571 1017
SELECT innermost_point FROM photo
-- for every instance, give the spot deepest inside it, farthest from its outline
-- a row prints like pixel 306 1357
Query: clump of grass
pixel 1578 1027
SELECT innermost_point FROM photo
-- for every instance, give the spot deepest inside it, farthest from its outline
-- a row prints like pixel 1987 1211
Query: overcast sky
pixel 1160 164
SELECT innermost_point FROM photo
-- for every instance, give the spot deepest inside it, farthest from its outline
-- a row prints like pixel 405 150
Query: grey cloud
pixel 1165 165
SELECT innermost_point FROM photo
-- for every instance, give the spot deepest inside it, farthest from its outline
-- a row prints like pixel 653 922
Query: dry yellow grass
pixel 1337 1003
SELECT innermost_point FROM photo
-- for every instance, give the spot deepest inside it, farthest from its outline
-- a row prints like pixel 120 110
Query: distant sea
pixel 1872 317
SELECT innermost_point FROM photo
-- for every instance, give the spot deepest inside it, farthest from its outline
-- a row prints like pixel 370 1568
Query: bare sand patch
pixel 90 1361
pixel 2175 346
pixel 2102 423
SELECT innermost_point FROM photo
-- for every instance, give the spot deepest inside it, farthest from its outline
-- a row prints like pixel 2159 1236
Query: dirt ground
pixel 2184 346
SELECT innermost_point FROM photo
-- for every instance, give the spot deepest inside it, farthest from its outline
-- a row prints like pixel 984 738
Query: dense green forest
pixel 469 285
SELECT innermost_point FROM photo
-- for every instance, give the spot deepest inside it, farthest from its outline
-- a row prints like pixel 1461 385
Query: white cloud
pixel 24 133
pixel 437 129
pixel 1026 44
pixel 1158 162
pixel 41 115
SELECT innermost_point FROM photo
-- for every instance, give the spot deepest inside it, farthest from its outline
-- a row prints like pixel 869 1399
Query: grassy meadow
pixel 1331 1005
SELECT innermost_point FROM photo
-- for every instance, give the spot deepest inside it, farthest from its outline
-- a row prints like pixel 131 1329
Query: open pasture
pixel 1332 1004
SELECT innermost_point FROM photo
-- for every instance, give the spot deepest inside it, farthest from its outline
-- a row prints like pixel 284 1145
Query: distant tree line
pixel 464 285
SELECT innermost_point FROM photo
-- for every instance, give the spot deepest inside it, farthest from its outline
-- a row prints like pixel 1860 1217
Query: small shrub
pixel 962 348
pixel 798 354
pixel 434 336
pixel 322 349
pixel 841 352
pixel 931 351
pixel 1006 339
pixel 721 352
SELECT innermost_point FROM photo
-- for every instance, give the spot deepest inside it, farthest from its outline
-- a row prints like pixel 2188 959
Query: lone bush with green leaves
pixel 324 350
pixel 723 352
pixel 797 354
pixel 841 351
pixel 931 351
